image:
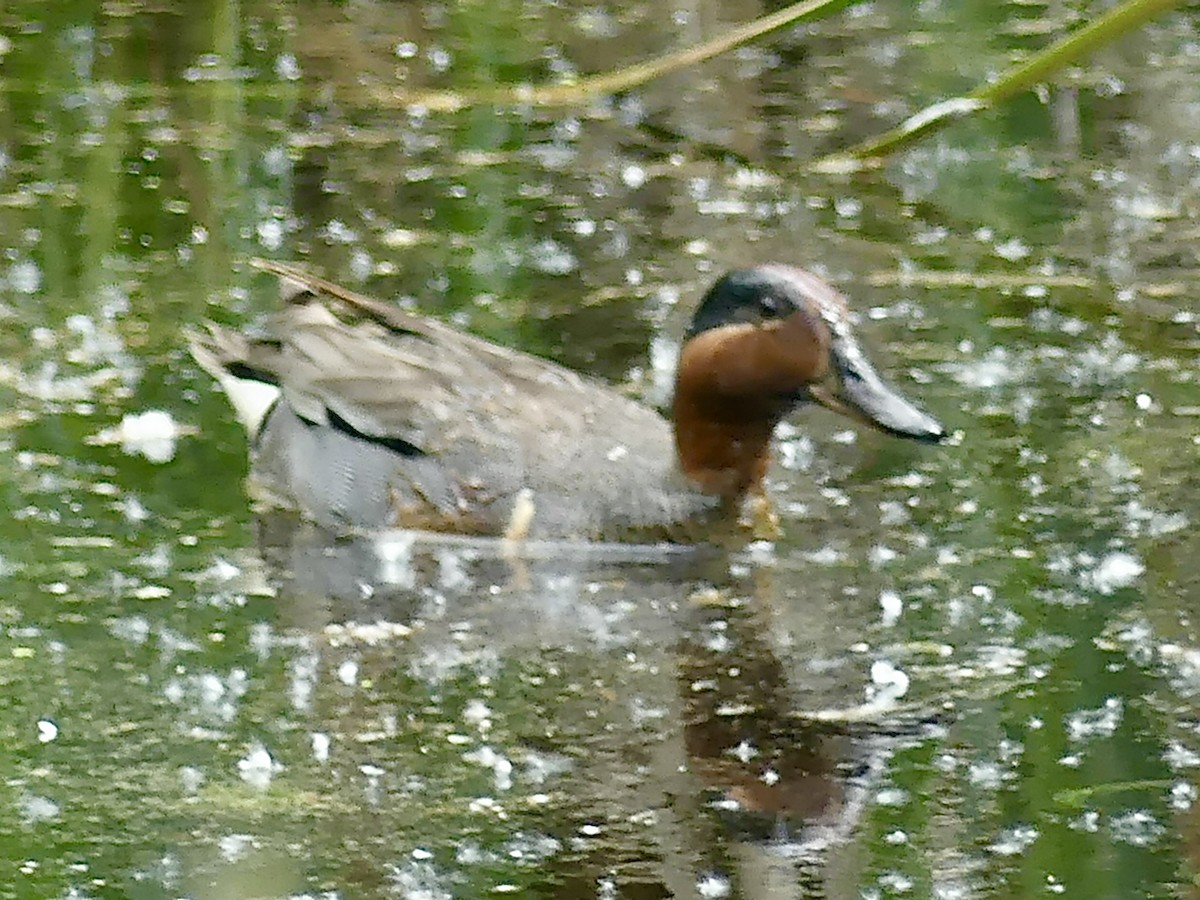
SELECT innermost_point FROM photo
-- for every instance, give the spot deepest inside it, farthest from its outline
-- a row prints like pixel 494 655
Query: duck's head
pixel 763 341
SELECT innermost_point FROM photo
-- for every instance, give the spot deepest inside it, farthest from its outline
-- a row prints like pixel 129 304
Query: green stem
pixel 640 73
pixel 1115 23
pixel 630 76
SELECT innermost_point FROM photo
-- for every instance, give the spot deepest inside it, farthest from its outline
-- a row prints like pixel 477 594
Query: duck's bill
pixel 855 389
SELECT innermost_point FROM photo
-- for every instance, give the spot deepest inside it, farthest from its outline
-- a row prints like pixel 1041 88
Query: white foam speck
pixel 713 887
pixel 1014 840
pixel 320 746
pixel 258 767
pixel 891 607
pixel 1114 571
pixel 152 434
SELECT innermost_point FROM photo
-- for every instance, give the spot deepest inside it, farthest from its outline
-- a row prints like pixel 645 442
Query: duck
pixel 363 416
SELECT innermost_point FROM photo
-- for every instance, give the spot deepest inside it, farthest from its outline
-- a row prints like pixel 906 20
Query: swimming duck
pixel 391 419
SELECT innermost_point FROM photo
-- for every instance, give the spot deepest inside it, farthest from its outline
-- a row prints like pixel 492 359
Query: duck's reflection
pixel 649 707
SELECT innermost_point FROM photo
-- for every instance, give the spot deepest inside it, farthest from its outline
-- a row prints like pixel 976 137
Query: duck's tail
pixel 226 355
pixel 297 286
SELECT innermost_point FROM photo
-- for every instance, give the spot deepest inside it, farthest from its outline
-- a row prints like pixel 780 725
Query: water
pixel 964 671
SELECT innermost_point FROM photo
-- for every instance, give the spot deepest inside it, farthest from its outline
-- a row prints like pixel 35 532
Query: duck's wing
pixel 400 377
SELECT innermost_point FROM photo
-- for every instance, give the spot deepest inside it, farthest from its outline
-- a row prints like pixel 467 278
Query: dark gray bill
pixel 856 390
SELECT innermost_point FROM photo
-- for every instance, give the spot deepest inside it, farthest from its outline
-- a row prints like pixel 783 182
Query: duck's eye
pixel 769 306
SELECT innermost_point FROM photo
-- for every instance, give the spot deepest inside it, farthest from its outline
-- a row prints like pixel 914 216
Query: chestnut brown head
pixel 763 341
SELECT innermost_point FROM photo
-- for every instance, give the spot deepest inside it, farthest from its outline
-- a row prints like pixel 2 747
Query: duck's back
pixel 402 421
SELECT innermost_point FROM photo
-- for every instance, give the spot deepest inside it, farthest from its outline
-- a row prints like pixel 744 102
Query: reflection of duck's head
pixel 395 419
pixel 763 341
